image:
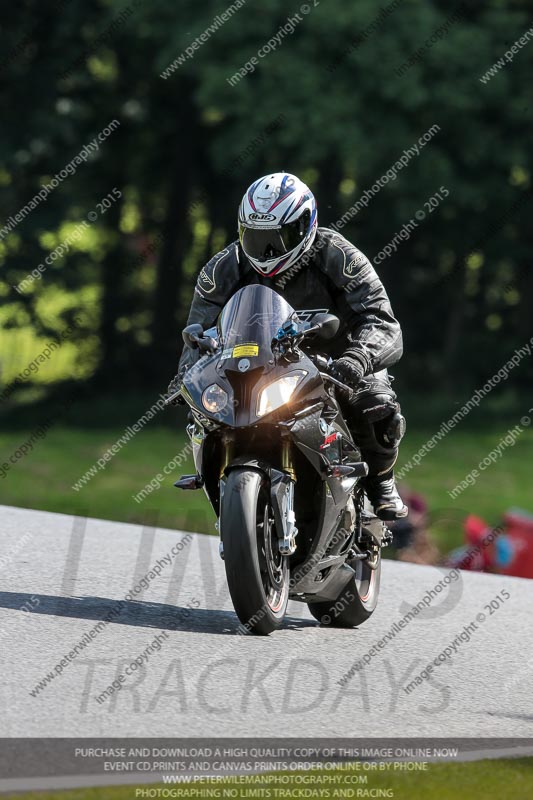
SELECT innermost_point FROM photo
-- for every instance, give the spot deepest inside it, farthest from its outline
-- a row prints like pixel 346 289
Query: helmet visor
pixel 266 243
pixel 262 244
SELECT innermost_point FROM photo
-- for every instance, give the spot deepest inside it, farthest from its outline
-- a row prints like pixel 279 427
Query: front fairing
pixel 244 389
pixel 245 362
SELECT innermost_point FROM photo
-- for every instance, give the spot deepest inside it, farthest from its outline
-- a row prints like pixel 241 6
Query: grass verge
pixel 44 477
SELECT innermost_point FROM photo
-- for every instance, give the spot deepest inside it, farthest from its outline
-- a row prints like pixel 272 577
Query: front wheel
pixel 356 602
pixel 257 573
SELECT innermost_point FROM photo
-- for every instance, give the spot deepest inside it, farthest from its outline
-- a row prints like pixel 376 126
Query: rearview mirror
pixel 192 334
pixel 328 325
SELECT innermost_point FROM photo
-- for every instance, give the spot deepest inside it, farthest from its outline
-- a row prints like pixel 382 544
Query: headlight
pixel 278 393
pixel 214 398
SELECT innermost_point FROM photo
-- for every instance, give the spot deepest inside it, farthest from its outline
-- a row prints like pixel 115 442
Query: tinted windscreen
pixel 249 322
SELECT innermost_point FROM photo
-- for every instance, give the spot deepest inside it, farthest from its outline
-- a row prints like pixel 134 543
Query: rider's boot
pixel 384 496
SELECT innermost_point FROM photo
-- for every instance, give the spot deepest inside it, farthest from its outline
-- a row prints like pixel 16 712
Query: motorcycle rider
pixel 280 246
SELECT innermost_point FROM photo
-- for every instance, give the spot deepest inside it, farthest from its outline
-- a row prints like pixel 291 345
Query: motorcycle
pixel 274 455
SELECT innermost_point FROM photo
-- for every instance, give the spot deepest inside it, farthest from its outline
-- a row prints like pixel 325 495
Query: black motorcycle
pixel 279 466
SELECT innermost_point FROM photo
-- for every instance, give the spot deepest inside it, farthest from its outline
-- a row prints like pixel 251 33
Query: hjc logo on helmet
pixel 262 217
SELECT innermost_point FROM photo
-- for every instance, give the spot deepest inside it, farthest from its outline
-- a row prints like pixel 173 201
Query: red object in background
pixel 509 551
pixel 519 540
pixel 415 501
pixel 480 555
pixel 476 554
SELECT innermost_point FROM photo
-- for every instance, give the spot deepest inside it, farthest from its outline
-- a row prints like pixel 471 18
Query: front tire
pixel 257 573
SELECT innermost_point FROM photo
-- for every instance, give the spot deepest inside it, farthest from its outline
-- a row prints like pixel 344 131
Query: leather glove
pixel 349 370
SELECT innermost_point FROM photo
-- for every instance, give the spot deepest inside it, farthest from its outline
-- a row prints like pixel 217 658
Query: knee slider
pixel 394 431
pixel 383 413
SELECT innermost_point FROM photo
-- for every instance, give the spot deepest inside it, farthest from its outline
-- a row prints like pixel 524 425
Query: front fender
pixel 252 463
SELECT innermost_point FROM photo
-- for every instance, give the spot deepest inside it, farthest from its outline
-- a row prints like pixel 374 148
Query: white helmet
pixel 277 222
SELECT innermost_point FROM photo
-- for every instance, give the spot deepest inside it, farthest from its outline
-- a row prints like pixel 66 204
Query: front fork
pixel 227 455
pixel 282 484
pixel 282 494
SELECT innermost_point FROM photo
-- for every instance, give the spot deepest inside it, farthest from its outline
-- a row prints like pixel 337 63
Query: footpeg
pixel 388 538
pixel 189 482
pixel 373 558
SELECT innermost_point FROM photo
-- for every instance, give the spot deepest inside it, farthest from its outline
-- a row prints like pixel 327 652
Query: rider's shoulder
pixel 329 236
pixel 339 256
pixel 220 271
pixel 229 255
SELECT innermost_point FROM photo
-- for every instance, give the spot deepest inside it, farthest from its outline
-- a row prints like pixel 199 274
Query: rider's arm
pixel 375 338
pixel 215 284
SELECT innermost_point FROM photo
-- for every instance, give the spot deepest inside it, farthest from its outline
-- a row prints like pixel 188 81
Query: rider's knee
pixel 378 419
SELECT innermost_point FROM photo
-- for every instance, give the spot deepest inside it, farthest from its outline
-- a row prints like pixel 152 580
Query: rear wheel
pixel 257 573
pixel 357 601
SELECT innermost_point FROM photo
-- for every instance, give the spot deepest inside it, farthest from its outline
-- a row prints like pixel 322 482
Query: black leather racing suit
pixel 332 276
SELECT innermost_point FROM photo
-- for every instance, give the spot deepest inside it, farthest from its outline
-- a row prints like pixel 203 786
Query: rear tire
pixel 357 601
pixel 257 573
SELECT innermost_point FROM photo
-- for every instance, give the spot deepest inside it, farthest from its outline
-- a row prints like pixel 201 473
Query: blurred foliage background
pixel 186 147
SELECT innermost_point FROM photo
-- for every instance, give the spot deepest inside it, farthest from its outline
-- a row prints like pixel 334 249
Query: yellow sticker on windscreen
pixel 246 350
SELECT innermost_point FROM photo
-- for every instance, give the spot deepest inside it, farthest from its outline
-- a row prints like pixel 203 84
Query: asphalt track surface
pixel 61 575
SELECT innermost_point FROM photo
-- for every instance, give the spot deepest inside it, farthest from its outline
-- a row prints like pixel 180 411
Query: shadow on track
pixel 140 614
